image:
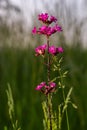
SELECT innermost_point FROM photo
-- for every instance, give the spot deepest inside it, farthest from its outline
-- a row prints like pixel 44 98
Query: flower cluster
pixel 40 50
pixel 55 50
pixel 46 29
pixel 46 89
pixel 46 19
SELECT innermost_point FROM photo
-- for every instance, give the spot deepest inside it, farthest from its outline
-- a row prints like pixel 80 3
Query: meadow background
pixel 23 71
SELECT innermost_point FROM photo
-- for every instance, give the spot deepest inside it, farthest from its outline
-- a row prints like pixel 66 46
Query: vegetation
pixel 21 70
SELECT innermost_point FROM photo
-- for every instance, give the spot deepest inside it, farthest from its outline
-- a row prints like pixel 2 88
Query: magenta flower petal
pixel 40 86
pixel 52 50
pixel 60 50
pixel 47 30
pixel 43 83
pixel 58 28
pixel 40 50
pixel 44 46
pixel 43 17
pixel 53 19
pixel 52 84
pixel 34 31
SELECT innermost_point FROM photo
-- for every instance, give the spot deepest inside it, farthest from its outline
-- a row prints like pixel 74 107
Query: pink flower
pixel 50 88
pixel 52 84
pixel 43 83
pixel 58 28
pixel 47 30
pixel 40 86
pixel 34 31
pixel 45 18
pixel 40 50
pixel 52 50
pixel 46 89
pixel 53 19
pixel 60 50
pixel 55 29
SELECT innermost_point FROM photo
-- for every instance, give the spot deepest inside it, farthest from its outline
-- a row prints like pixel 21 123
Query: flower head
pixel 40 86
pixel 52 84
pixel 55 29
pixel 47 30
pixel 40 50
pixel 34 31
pixel 53 19
pixel 45 18
pixel 60 50
pixel 46 89
pixel 52 50
pixel 50 88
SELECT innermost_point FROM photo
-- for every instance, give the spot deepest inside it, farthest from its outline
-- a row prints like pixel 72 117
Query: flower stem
pixel 49 96
pixel 68 127
pixel 48 62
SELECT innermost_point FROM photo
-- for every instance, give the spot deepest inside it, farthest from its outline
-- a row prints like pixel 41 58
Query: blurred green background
pixel 23 71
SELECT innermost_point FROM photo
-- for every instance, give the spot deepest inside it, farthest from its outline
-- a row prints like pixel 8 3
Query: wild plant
pixel 53 60
pixel 13 120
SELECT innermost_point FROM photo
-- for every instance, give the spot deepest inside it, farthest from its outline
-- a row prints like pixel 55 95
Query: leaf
pixel 55 79
pixel 74 105
pixel 60 60
pixel 65 72
pixel 67 100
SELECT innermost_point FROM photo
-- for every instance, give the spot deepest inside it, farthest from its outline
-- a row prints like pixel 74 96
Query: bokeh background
pixel 23 71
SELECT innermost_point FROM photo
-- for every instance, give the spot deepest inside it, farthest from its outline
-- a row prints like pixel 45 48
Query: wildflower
pixel 53 19
pixel 40 86
pixel 55 29
pixel 47 30
pixel 52 50
pixel 46 89
pixel 45 18
pixel 52 85
pixel 50 88
pixel 34 31
pixel 40 50
pixel 59 50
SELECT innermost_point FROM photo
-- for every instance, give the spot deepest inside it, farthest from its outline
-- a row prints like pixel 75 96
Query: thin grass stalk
pixel 67 119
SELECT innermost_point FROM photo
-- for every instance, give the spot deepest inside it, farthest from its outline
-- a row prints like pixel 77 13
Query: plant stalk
pixel 49 96
pixel 67 120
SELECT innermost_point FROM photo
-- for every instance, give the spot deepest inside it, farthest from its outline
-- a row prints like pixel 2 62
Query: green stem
pixel 67 119
pixel 49 97
pixel 48 64
pixel 68 127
